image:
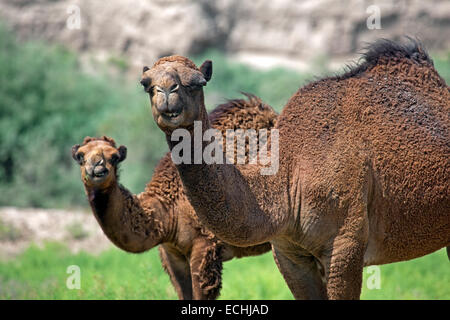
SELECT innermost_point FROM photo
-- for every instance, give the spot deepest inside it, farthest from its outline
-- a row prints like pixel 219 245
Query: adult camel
pixel 363 173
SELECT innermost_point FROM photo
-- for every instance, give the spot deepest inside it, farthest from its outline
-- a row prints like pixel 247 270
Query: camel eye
pixel 80 157
pixel 174 88
pixel 114 158
pixel 195 87
pixel 145 83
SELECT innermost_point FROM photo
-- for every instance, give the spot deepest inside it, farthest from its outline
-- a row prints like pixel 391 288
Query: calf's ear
pixel 123 153
pixel 74 152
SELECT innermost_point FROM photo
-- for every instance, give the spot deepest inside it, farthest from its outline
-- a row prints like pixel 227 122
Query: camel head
pixel 98 159
pixel 175 86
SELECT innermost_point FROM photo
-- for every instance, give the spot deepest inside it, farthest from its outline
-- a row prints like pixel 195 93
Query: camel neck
pixel 99 200
pixel 130 223
pixel 220 193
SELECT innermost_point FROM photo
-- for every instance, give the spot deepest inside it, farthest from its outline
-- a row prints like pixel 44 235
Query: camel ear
pixel 123 153
pixel 193 79
pixel 146 82
pixel 206 69
pixel 74 151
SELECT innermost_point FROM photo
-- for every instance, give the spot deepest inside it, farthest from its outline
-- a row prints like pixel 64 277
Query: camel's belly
pixel 396 235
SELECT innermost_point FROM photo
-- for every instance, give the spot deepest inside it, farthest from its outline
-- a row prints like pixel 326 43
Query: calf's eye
pixel 114 159
pixel 80 157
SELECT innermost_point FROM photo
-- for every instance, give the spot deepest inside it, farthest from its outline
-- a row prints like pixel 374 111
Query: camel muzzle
pixel 97 169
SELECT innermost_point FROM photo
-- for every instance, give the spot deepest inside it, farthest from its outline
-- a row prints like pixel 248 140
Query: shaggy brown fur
pixel 363 175
pixel 161 215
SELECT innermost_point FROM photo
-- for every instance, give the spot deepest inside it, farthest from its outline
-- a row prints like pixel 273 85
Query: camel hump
pixel 384 51
pixel 250 113
pixel 388 49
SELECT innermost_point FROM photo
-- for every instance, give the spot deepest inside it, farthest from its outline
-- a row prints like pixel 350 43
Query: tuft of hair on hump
pixel 176 58
pixel 383 51
pixel 232 105
pixel 102 138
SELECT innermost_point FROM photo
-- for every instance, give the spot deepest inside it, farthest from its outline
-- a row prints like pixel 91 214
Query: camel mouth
pixel 100 174
pixel 172 117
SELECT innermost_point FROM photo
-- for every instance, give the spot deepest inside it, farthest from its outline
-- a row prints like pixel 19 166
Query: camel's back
pixel 384 124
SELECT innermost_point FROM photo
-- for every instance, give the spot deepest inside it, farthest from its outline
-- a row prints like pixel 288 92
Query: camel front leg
pixel 301 274
pixel 206 269
pixel 345 260
pixel 344 270
pixel 177 266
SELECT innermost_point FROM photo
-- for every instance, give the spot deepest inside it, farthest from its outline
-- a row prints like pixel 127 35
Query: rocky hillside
pixel 260 31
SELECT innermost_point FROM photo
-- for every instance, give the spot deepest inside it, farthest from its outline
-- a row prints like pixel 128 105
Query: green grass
pixel 114 274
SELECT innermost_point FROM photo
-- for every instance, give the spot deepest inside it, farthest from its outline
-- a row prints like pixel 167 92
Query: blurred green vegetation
pixel 274 86
pixel 48 103
pixel 114 274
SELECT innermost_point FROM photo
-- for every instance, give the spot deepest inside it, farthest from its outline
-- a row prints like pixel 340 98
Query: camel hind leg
pixel 448 253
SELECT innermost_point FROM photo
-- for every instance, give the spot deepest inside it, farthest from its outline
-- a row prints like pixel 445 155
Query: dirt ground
pixel 77 229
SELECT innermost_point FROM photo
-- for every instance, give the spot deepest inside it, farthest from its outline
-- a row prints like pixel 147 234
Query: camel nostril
pixel 89 170
pixel 162 108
